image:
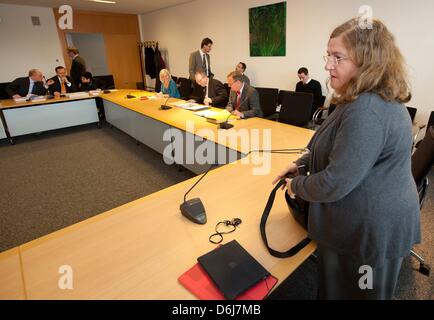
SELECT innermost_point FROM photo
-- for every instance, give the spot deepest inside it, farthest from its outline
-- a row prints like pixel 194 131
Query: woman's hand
pixel 290 169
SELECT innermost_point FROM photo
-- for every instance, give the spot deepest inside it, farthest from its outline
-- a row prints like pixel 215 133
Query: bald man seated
pixel 22 87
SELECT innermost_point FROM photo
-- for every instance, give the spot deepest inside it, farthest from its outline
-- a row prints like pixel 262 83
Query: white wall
pixel 24 46
pixel 180 30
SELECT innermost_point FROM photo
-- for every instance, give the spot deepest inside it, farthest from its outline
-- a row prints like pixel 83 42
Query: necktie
pixel 62 87
pixel 238 100
pixel 204 65
pixel 31 85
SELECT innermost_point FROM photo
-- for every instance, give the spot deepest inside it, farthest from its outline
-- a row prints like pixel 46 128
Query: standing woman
pixel 168 86
pixel 364 206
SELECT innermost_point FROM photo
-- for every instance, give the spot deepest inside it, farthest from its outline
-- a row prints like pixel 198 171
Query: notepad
pixel 232 269
pixel 198 282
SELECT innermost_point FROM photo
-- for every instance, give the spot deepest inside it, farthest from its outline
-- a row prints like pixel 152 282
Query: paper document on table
pixel 23 99
pixel 190 106
pixel 207 113
pixel 215 116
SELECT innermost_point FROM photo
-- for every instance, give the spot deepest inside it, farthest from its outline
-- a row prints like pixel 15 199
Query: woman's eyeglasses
pixel 334 60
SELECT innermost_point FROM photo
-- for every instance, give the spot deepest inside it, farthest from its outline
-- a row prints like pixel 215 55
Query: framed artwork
pixel 267 29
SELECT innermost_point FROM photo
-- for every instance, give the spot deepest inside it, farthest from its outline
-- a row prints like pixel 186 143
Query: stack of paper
pixel 190 106
pixel 218 116
pixel 18 100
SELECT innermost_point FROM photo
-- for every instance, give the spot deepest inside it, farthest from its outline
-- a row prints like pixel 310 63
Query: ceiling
pixel 121 6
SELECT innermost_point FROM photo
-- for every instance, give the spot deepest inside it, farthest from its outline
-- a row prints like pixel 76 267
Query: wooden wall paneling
pixel 121 34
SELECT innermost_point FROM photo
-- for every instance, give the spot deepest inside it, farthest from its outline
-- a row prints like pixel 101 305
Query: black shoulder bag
pixel 299 208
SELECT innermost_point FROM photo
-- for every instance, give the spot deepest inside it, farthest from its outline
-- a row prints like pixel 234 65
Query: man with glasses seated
pixel 25 86
pixel 309 85
pixel 212 91
pixel 244 99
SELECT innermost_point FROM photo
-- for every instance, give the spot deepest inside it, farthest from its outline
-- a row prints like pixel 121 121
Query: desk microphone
pixel 226 125
pixel 165 106
pixel 193 209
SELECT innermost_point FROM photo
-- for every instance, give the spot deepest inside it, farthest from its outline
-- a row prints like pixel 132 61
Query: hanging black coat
pixel 159 64
pixel 151 69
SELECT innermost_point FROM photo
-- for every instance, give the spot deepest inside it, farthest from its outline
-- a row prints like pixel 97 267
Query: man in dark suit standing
pixel 21 87
pixel 200 60
pixel 78 66
pixel 212 92
pixel 61 83
pixel 309 85
pixel 244 99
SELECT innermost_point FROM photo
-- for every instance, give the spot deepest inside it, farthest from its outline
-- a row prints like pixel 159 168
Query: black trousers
pixel 342 277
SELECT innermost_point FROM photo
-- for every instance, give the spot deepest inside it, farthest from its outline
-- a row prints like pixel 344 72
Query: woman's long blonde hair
pixel 381 66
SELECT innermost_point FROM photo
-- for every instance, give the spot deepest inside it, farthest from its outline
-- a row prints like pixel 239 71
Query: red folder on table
pixel 197 281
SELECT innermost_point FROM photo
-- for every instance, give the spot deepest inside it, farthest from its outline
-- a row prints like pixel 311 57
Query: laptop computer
pixel 232 269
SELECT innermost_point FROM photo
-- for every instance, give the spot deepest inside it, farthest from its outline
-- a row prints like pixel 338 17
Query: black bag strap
pixel 294 250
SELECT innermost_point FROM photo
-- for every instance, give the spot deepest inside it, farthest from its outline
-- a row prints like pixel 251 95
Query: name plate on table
pixel 75 95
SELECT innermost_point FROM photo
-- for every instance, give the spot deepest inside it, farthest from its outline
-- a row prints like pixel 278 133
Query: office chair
pixel 412 111
pixel 175 79
pixel 3 94
pixel 429 124
pixel 268 98
pixel 184 87
pixel 107 80
pixel 296 107
pixel 422 161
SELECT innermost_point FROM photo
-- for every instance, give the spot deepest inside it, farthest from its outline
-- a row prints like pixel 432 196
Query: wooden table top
pixel 138 250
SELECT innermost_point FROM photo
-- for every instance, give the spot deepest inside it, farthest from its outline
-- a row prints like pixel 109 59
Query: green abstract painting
pixel 267 28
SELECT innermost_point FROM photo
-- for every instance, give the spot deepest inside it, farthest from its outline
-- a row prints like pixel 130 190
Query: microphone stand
pixel 165 106
pixel 193 209
pixel 225 125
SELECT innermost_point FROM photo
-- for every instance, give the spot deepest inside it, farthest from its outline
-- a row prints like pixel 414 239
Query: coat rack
pixel 141 45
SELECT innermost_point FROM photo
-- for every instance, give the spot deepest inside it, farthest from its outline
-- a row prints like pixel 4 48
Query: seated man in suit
pixel 21 87
pixel 212 91
pixel 88 82
pixel 61 83
pixel 244 99
pixel 309 85
pixel 241 68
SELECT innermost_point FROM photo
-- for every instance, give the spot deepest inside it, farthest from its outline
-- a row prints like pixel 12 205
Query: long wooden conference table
pixel 138 250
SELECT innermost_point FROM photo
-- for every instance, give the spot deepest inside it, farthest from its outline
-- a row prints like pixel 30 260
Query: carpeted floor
pixel 61 177
pixel 52 180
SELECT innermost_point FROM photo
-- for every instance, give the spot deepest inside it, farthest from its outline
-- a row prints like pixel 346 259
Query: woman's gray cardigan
pixel 364 202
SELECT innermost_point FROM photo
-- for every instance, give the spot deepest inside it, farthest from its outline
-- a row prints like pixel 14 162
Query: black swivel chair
pixel 107 81
pixel 429 124
pixel 412 111
pixel 3 94
pixel 184 87
pixel 422 162
pixel 269 98
pixel 296 107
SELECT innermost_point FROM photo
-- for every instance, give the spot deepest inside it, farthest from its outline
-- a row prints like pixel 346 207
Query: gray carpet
pixel 61 177
pixel 58 178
